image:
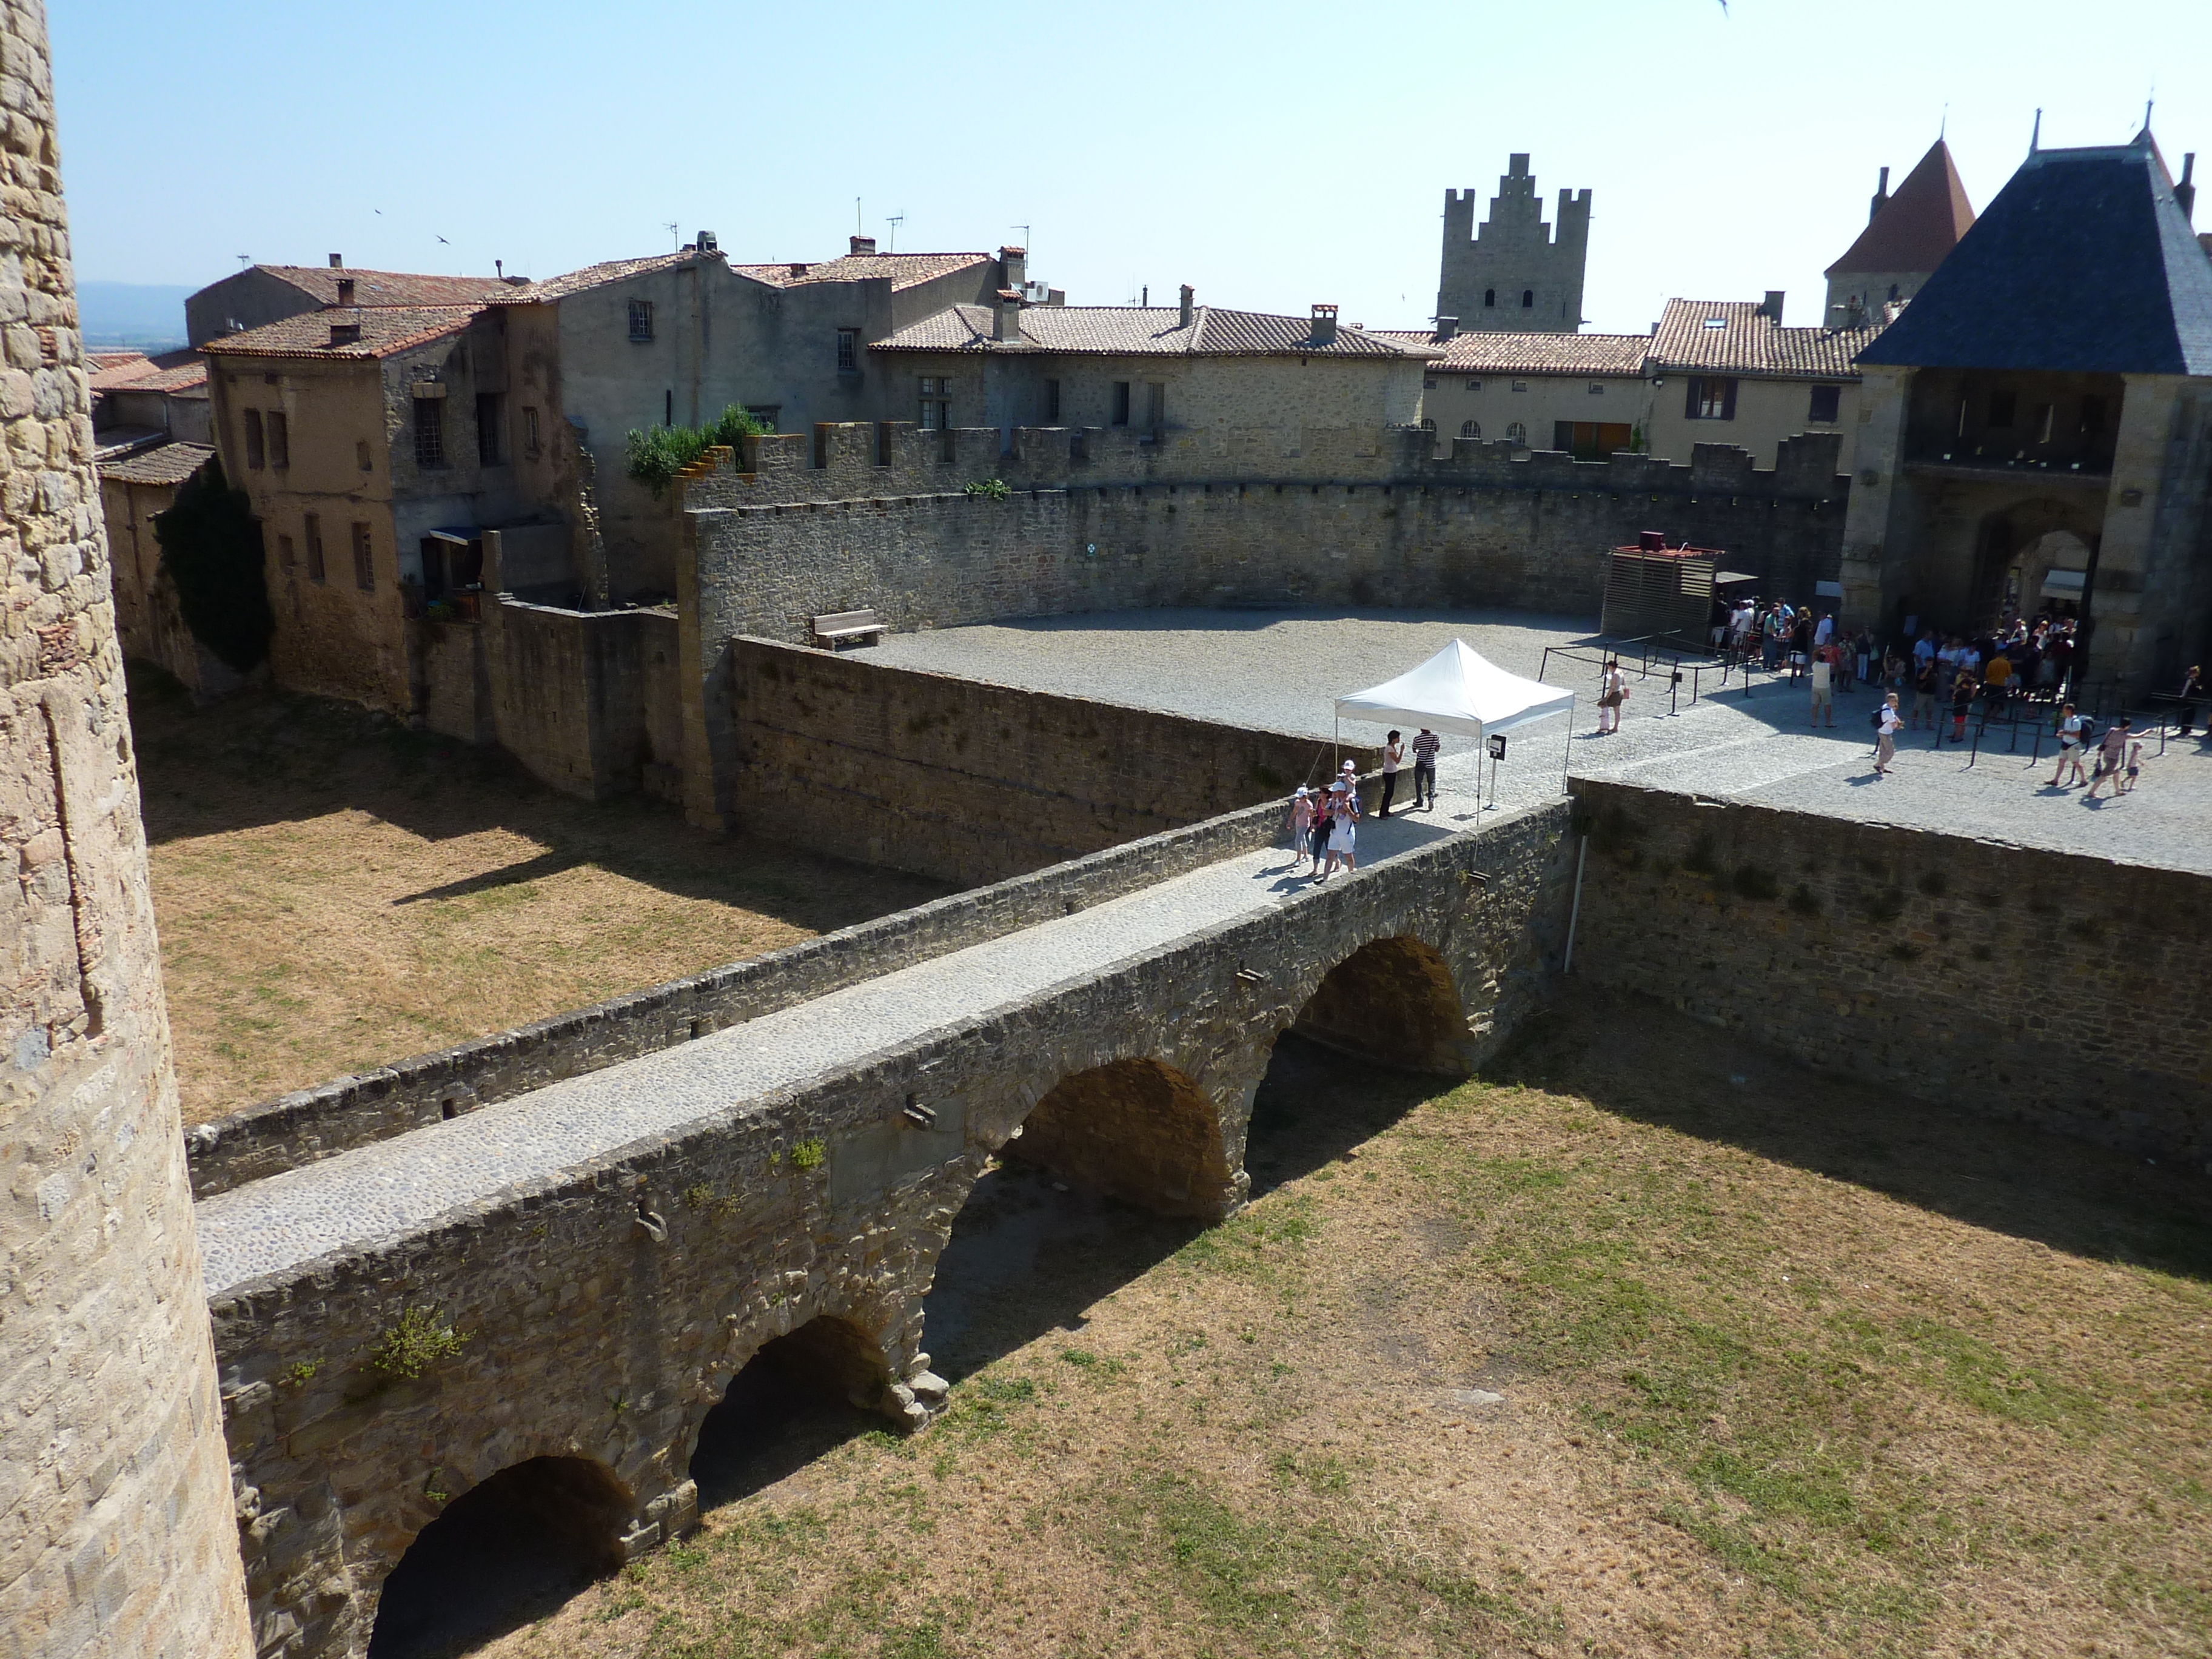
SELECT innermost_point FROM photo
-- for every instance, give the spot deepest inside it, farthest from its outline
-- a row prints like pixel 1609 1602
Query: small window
pixel 280 439
pixel 1715 322
pixel 2093 414
pixel 1520 386
pixel 641 319
pixel 1490 296
pixel 488 450
pixel 529 431
pixel 255 456
pixel 2004 407
pixel 314 529
pixel 1516 433
pixel 848 350
pixel 361 456
pixel 1428 423
pixel 1827 405
pixel 1121 403
pixel 1429 383
pixel 1156 404
pixel 1597 388
pixel 936 408
pixel 1710 398
pixel 364 565
pixel 1470 429
pixel 285 552
pixel 1052 403
pixel 430 432
pixel 1527 299
pixel 1474 385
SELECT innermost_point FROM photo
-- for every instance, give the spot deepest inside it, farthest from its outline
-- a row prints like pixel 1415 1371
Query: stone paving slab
pixel 395 1186
pixel 1283 669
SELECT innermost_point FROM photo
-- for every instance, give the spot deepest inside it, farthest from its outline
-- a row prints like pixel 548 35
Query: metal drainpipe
pixel 1574 913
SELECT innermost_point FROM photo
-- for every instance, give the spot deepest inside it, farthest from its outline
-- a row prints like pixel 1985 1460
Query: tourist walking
pixel 1427 744
pixel 1343 828
pixel 2135 764
pixel 1393 755
pixel 1822 675
pixel 1886 721
pixel 1612 692
pixel 2111 755
pixel 2192 689
pixel 2069 748
pixel 1302 822
pixel 1962 701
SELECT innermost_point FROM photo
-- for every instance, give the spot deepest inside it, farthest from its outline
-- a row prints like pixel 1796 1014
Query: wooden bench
pixel 839 626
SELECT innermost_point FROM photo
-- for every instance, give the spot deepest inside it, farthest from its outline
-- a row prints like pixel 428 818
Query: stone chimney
pixel 706 244
pixel 1881 197
pixel 864 245
pixel 1447 328
pixel 2184 193
pixel 1006 319
pixel 345 290
pixel 337 262
pixel 1187 293
pixel 1013 266
pixel 1324 324
pixel 1772 306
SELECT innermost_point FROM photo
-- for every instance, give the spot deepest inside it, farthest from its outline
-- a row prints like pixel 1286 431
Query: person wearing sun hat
pixel 1302 822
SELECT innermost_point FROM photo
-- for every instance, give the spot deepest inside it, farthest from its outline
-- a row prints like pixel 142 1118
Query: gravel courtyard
pixel 1282 669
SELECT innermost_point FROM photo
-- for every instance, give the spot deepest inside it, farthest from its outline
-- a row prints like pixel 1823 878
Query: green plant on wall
pixel 808 1155
pixel 418 1341
pixel 991 489
pixel 657 454
pixel 211 553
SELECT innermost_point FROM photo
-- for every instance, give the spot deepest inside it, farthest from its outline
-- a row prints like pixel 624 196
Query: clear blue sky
pixel 1273 155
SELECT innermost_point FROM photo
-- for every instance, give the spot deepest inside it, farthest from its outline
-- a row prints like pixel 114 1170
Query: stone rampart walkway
pixel 395 1186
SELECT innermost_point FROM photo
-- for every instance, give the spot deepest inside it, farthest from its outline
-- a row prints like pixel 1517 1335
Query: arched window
pixel 1516 433
pixel 1527 299
pixel 1428 423
pixel 1470 429
pixel 1490 296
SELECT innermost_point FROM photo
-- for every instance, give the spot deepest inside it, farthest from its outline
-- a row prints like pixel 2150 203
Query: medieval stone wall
pixel 2068 992
pixel 969 781
pixel 117 1535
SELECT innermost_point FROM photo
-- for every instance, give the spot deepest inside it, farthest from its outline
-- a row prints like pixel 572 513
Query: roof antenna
pixel 895 220
pixel 673 240
pixel 1943 126
pixel 2035 138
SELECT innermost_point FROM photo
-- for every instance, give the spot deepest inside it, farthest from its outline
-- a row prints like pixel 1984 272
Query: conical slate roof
pixel 1916 227
pixel 2083 263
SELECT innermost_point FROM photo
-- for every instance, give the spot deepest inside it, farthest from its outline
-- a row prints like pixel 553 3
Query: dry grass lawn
pixel 1782 1366
pixel 335 892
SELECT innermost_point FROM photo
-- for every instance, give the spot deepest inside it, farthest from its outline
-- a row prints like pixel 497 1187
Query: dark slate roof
pixel 2083 262
pixel 1917 225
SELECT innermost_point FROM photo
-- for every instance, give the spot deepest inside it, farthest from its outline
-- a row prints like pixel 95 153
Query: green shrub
pixel 211 550
pixel 808 1155
pixel 991 489
pixel 656 454
pixel 418 1341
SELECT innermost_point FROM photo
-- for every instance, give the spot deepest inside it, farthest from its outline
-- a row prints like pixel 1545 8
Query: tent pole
pixel 1567 760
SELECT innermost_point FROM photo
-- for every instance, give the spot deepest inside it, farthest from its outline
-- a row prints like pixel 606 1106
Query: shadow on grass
pixel 1633 1056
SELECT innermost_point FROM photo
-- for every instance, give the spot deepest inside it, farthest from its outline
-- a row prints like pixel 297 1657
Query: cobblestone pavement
pixel 1282 669
pixel 398 1186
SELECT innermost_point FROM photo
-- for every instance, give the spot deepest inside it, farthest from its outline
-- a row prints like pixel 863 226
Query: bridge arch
pixel 1395 1001
pixel 795 1395
pixel 1137 1129
pixel 501 1554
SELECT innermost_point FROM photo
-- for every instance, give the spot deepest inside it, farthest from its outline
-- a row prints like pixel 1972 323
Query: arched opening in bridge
pixel 795 1398
pixel 507 1551
pixel 1366 1048
pixel 1094 1189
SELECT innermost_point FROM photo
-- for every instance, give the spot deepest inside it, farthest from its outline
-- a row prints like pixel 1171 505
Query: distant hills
pixel 146 315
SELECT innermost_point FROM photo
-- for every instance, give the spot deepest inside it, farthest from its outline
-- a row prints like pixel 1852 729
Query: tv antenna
pixel 894 221
pixel 674 240
pixel 244 259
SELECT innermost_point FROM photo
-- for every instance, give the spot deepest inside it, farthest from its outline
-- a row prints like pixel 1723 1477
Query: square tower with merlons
pixel 1514 271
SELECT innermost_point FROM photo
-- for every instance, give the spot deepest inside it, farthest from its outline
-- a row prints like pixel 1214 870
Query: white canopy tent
pixel 1458 691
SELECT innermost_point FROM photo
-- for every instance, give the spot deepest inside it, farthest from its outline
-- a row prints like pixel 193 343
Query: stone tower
pixel 118 1536
pixel 1513 272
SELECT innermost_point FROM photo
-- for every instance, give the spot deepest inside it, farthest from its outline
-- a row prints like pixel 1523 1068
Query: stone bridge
pixel 536 1303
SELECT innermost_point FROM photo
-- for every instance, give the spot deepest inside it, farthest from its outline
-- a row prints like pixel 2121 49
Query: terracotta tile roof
pixel 1921 221
pixel 387 288
pixel 1136 331
pixel 173 371
pixel 905 269
pixel 97 362
pixel 1735 336
pixel 592 276
pixel 164 464
pixel 383 329
pixel 1505 353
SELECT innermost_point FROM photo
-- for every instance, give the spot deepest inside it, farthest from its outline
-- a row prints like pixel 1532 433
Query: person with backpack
pixel 1887 724
pixel 2073 731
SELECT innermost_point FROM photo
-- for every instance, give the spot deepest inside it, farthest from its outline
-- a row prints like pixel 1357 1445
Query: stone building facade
pixel 1514 271
pixel 118 1537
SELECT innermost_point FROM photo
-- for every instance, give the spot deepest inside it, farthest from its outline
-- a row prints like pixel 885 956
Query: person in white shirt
pixel 2069 748
pixel 1887 723
pixel 1825 632
pixel 1393 755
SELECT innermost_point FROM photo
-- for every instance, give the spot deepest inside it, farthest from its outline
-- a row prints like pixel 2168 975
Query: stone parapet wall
pixel 117 1535
pixel 2071 992
pixel 665 1269
pixel 310 1124
pixel 970 781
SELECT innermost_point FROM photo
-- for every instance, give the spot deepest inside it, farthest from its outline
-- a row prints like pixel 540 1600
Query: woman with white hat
pixel 1344 826
pixel 1302 820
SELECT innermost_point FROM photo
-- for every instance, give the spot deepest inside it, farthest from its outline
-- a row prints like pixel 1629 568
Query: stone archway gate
pixel 600 1296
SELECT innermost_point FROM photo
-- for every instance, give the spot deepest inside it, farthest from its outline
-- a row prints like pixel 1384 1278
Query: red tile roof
pixel 1920 224
pixel 1510 353
pixel 173 371
pixel 592 276
pixel 387 288
pixel 1137 331
pixel 384 330
pixel 1734 336
pixel 905 269
pixel 163 464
